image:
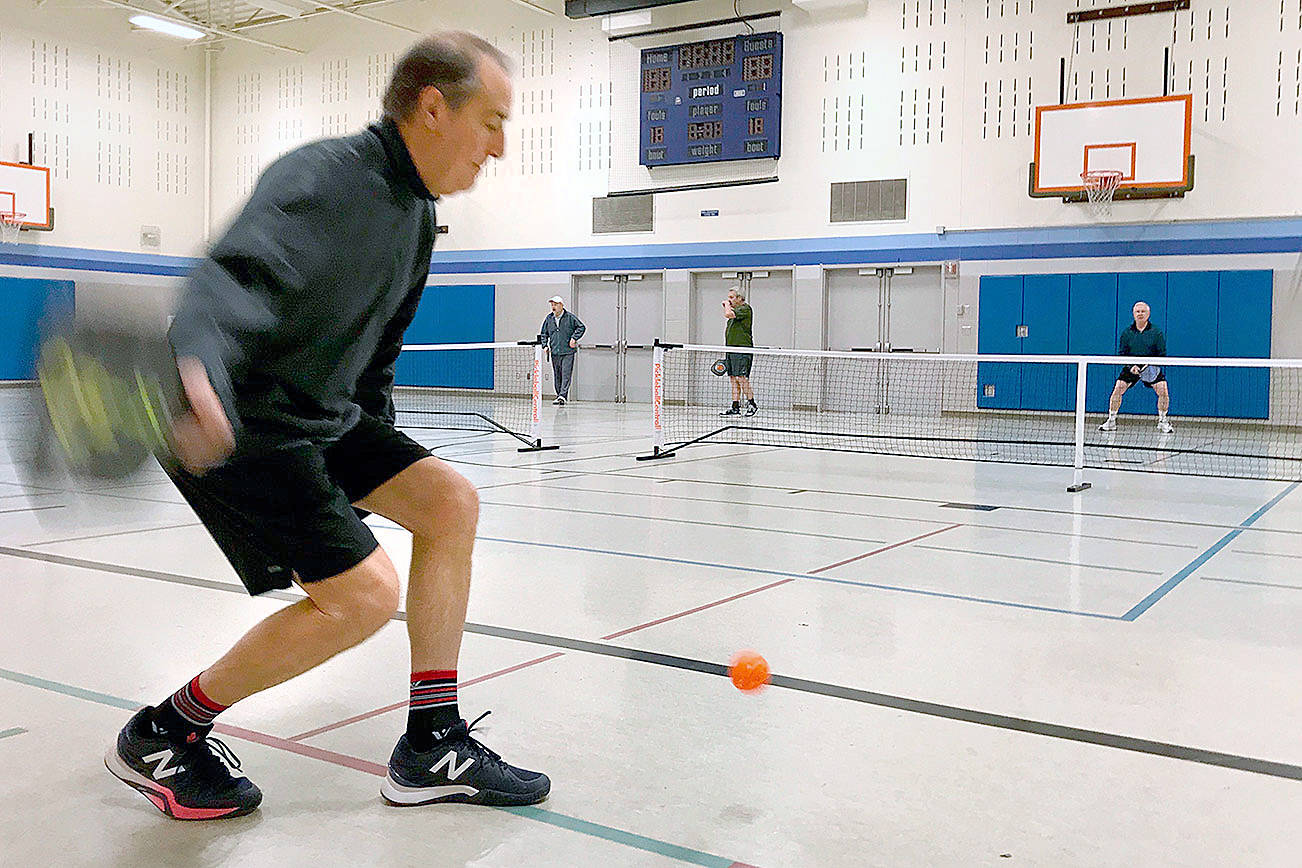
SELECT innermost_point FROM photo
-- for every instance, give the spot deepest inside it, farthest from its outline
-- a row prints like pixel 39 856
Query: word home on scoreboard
pixel 705 102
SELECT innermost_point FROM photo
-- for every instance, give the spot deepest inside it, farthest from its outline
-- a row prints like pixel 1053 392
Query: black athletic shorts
pixel 1131 379
pixel 738 364
pixel 284 510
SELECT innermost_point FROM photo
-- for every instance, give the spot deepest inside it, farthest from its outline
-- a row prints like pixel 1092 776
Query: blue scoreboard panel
pixel 709 101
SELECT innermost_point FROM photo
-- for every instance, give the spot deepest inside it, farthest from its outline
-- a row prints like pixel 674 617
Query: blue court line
pixel 16 730
pixel 542 815
pixel 1166 587
pixel 807 576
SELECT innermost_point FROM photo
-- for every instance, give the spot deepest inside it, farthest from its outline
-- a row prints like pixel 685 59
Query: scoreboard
pixel 704 102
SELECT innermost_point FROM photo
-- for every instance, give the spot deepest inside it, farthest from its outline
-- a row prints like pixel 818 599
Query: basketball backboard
pixel 1147 140
pixel 26 190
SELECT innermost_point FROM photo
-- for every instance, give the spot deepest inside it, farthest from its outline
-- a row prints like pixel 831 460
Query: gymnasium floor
pixel 1103 679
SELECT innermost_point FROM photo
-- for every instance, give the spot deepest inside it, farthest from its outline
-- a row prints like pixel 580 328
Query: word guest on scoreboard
pixel 703 102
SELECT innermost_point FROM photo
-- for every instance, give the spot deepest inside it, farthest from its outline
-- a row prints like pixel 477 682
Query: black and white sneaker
pixel 459 769
pixel 186 782
pixel 731 411
pixel 751 409
pixel 560 401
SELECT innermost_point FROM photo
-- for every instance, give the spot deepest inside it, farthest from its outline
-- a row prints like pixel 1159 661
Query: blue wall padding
pixel 1044 312
pixel 27 308
pixel 1203 313
pixel 1092 313
pixel 451 315
pixel 1192 332
pixel 1243 329
pixel 1000 312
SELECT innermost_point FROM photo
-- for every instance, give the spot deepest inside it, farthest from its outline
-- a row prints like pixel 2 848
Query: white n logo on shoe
pixel 163 769
pixel 450 760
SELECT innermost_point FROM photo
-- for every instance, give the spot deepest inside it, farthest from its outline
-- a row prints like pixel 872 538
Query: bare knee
pixel 453 503
pixel 362 599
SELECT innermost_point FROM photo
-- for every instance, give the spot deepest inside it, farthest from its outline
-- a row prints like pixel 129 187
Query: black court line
pixel 860 514
pixel 855 513
pixel 980 507
pixel 1037 560
pixel 627 474
pixel 34 508
pixel 50 542
pixel 723 524
pixel 1266 554
pixel 1247 582
pixel 821 688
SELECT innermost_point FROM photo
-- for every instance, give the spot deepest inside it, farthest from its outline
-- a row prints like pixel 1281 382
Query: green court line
pixel 541 815
pixel 17 730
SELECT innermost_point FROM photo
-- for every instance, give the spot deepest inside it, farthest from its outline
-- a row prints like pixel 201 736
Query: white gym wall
pixel 118 118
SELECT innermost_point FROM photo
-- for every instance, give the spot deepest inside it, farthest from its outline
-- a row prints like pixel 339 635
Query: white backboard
pixel 1147 140
pixel 26 190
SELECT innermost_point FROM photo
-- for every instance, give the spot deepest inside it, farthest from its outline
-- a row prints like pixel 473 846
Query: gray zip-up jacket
pixel 558 335
pixel 298 311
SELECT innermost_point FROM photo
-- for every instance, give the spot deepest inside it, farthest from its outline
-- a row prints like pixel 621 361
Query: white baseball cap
pixel 556 298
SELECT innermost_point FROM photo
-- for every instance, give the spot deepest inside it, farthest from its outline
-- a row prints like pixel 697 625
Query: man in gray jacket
pixel 560 332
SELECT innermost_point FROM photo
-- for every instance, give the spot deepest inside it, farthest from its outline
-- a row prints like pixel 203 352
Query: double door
pixel 891 309
pixel 623 313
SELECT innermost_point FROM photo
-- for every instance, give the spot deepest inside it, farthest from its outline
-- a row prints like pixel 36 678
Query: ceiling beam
pixel 199 25
pixel 344 10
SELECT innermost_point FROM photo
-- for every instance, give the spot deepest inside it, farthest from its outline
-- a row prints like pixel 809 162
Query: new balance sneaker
pixel 1165 427
pixel 459 769
pixel 186 782
pixel 560 401
pixel 731 411
pixel 1110 425
pixel 751 409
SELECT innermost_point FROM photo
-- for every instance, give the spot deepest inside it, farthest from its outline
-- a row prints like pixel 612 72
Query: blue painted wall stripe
pixel 1143 239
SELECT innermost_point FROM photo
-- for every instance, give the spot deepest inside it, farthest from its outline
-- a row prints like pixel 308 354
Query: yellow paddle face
pixel 101 418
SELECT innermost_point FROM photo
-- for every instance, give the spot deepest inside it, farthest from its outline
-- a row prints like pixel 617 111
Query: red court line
pixel 366 715
pixel 306 750
pixel 697 609
pixel 882 549
pixel 395 706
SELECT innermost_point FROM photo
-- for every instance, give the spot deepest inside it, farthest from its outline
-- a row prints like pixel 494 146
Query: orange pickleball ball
pixel 749 671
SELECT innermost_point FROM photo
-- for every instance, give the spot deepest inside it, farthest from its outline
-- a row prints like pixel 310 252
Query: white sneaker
pixel 1165 427
pixel 1110 425
pixel 561 402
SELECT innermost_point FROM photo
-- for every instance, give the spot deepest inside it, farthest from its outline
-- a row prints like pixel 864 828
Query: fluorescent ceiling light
pixel 171 28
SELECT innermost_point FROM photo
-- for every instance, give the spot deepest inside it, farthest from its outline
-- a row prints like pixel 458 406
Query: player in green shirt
pixel 737 333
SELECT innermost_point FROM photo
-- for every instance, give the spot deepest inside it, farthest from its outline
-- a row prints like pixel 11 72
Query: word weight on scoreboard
pixel 704 102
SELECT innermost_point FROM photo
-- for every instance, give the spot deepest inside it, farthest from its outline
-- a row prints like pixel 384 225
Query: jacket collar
pixel 400 158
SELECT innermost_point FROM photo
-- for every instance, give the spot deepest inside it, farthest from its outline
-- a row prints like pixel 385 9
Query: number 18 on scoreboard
pixel 705 102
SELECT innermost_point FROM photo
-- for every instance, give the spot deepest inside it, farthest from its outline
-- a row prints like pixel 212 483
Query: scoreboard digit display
pixel 704 102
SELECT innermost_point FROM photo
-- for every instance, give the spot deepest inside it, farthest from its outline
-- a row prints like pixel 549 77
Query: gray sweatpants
pixel 562 371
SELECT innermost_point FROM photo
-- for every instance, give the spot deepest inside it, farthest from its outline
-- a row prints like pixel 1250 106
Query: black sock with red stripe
pixel 187 715
pixel 433 706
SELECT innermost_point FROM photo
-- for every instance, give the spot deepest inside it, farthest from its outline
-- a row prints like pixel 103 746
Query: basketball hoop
pixel 1100 186
pixel 11 223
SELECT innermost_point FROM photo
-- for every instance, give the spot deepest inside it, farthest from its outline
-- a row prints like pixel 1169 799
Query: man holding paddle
pixel 1141 338
pixel 286 338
